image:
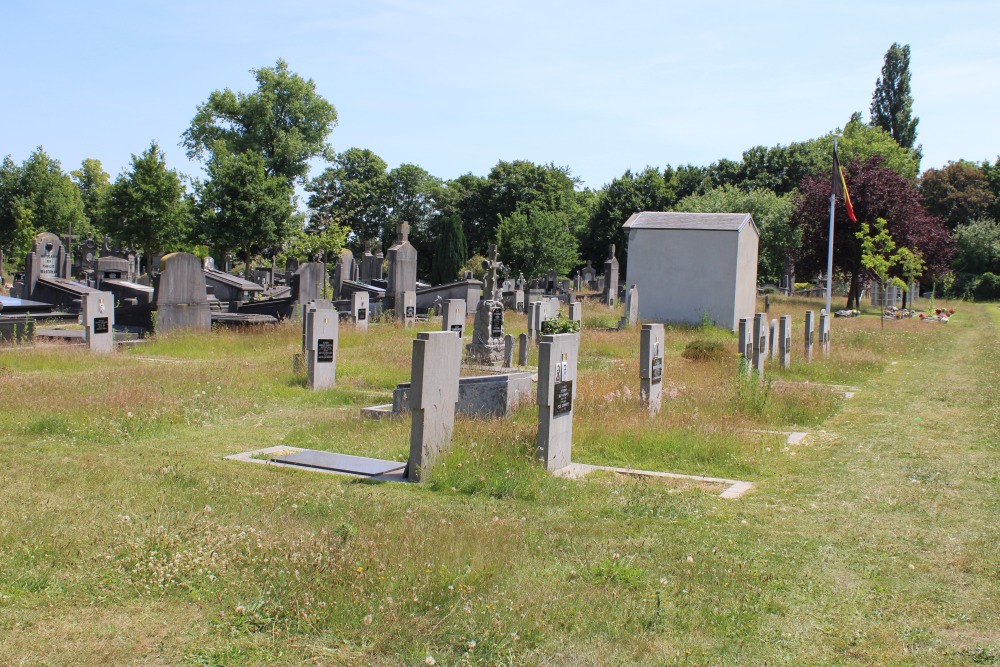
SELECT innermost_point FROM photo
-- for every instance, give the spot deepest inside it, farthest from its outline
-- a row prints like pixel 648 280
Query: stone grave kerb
pixel 434 376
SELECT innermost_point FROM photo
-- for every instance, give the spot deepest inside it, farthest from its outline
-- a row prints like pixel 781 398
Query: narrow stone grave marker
pixel 576 312
pixel 772 339
pixel 522 350
pixel 453 316
pixel 824 332
pixel 360 310
pixel 437 361
pixel 508 351
pixel 98 315
pixel 557 357
pixel 408 312
pixel 651 366
pixel 759 342
pixel 322 332
pixel 532 319
pixel 785 341
pixel 631 309
pixel 809 336
pixel 745 342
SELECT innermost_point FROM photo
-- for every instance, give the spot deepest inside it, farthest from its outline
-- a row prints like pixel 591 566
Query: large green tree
pixel 353 193
pixel 957 193
pixel 242 206
pixel 770 211
pixel 535 242
pixel 285 121
pixel 94 184
pixel 892 103
pixel 413 196
pixel 37 196
pixel 147 207
pixel 450 251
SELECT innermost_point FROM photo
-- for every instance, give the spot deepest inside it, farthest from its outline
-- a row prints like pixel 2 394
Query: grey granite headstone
pixel 824 332
pixel 745 342
pixel 312 281
pixel 809 333
pixel 434 374
pixel 453 316
pixel 522 350
pixel 651 344
pixel 576 312
pixel 508 351
pixel 759 342
pixel 533 319
pixel 557 358
pixel 360 310
pixel 181 299
pixel 322 339
pixel 519 300
pixel 611 277
pixel 785 341
pixel 98 316
pixel 402 276
pixel 344 271
pixel 631 309
pixel 407 308
pixel 772 339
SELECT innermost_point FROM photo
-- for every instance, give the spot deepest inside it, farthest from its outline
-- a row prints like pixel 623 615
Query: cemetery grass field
pixel 125 538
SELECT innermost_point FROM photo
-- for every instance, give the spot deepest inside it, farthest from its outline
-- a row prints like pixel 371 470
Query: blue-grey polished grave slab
pixel 357 465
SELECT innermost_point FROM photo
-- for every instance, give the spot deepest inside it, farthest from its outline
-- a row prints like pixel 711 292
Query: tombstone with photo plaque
pixel 360 310
pixel 745 342
pixel 98 317
pixel 557 362
pixel 651 342
pixel 453 316
pixel 785 341
pixel 322 333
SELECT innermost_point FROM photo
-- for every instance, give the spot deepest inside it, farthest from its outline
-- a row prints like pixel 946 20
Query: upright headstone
pixel 487 345
pixel 344 271
pixel 519 300
pixel 759 342
pixel 785 341
pixel 600 284
pixel 576 312
pixel 651 342
pixel 522 350
pixel 589 275
pixel 508 351
pixel 181 298
pixel 772 339
pixel 809 336
pixel 437 362
pixel 360 307
pixel 824 332
pixel 557 357
pixel 611 277
pixel 98 316
pixel 453 317
pixel 312 281
pixel 371 266
pixel 322 334
pixel 631 309
pixel 551 285
pixel 407 314
pixel 577 282
pixel 533 319
pixel 744 341
pixel 402 275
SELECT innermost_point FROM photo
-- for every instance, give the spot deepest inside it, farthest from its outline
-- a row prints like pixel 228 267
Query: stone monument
pixel 487 346
pixel 557 356
pixel 611 277
pixel 651 366
pixel 434 373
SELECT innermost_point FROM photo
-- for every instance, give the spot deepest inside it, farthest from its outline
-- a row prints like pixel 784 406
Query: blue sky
pixel 455 86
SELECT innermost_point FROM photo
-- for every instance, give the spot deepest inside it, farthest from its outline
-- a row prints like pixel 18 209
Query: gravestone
pixel 522 350
pixel 651 343
pixel 589 275
pixel 371 266
pixel 508 351
pixel 521 283
pixel 181 299
pixel 785 341
pixel 577 282
pixel 576 312
pixel 759 343
pixel 519 300
pixel 557 358
pixel 402 276
pixel 533 319
pixel 360 310
pixel 487 346
pixel 312 281
pixel 343 271
pixel 551 285
pixel 453 317
pixel 772 339
pixel 434 373
pixel 809 336
pixel 631 309
pixel 407 314
pixel 98 317
pixel 611 277
pixel 824 332
pixel 322 334
pixel 47 259
pixel 745 342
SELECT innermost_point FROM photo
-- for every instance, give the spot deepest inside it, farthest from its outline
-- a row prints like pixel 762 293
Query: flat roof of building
pixel 721 222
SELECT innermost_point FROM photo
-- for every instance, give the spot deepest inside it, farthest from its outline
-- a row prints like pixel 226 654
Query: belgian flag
pixel 840 186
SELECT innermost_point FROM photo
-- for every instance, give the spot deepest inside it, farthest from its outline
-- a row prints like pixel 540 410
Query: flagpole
pixel 829 254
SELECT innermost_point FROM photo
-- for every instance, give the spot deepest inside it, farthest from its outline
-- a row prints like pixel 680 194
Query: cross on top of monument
pixel 403 232
pixel 492 266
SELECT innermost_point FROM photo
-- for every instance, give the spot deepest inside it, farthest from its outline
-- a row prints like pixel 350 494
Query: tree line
pixel 257 147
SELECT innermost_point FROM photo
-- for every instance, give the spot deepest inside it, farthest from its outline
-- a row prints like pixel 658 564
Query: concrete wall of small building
pixel 682 274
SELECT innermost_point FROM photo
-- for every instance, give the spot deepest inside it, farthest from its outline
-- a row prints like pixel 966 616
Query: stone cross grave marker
pixel 98 316
pixel 360 310
pixel 434 372
pixel 322 337
pixel 492 266
pixel 651 342
pixel 557 357
pixel 785 341
pixel 809 336
pixel 759 342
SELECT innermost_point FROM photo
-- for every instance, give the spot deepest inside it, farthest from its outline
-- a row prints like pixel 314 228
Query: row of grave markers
pixel 758 341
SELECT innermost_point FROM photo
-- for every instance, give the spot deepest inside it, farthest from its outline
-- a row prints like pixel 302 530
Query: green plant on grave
pixel 705 349
pixel 560 325
pixel 753 389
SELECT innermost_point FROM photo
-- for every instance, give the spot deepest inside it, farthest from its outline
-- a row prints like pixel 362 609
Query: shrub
pixel 560 325
pixel 705 349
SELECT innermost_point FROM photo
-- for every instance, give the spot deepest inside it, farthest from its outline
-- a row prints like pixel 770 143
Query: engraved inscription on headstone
pixel 457 328
pixel 101 325
pixel 324 351
pixel 562 401
pixel 496 323
pixel 362 314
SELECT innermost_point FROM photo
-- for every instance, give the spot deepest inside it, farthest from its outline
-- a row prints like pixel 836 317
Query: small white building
pixel 687 265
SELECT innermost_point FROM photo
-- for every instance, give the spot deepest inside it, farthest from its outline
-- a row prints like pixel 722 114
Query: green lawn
pixel 125 538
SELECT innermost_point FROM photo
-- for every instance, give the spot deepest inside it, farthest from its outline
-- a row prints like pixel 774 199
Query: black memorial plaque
pixel 562 398
pixel 362 314
pixel 458 328
pixel 324 351
pixel 788 342
pixel 100 325
pixel 410 312
pixel 656 376
pixel 496 323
